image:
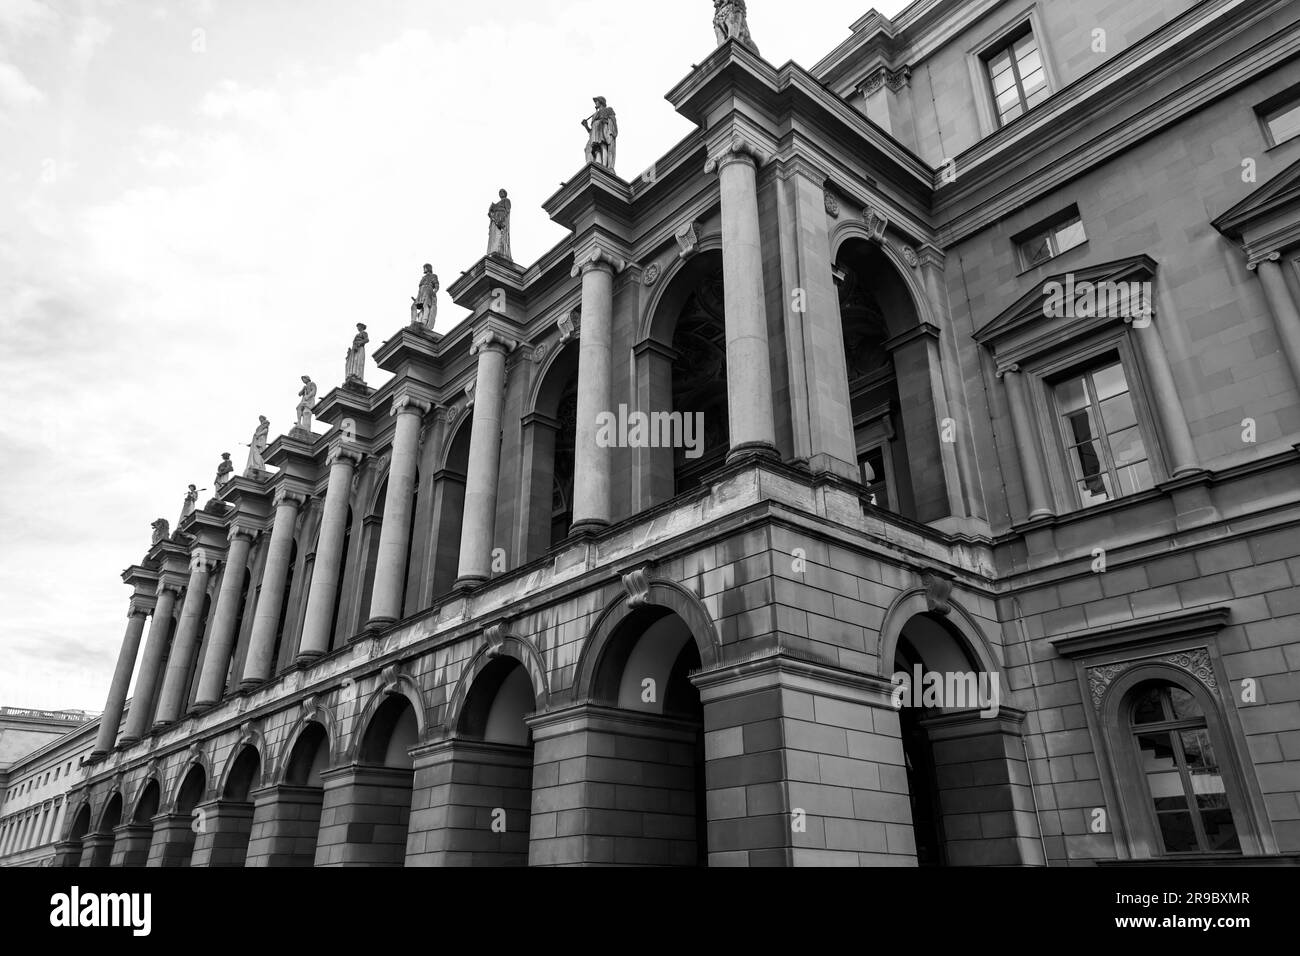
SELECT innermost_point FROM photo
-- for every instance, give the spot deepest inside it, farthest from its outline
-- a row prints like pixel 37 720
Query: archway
pixel 681 368
pixel 642 735
pixel 286 817
pixel 449 506
pixel 367 806
pixel 80 830
pixel 549 443
pixel 225 838
pixel 173 843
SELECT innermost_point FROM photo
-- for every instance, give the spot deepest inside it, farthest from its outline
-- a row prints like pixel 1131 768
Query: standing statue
pixel 424 307
pixel 602 135
pixel 257 446
pixel 191 502
pixel 730 23
pixel 306 402
pixel 161 530
pixel 355 367
pixel 499 227
pixel 225 474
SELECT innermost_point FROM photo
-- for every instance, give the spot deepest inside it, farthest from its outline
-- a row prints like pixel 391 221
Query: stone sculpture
pixel 161 530
pixel 307 401
pixel 499 227
pixel 225 473
pixel 355 367
pixel 730 22
pixel 602 134
pixel 424 306
pixel 257 446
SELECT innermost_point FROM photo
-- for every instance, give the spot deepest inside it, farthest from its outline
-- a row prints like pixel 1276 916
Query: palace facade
pixel 457 629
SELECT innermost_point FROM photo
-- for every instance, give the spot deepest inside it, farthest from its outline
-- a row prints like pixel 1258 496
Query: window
pixel 1103 441
pixel 1280 116
pixel 1049 239
pixel 874 471
pixel 1183 781
pixel 1017 76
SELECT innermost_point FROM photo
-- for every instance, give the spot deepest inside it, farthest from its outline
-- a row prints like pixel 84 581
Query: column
pixel 1177 437
pixel 1286 317
pixel 147 683
pixel 266 620
pixel 212 677
pixel 749 377
pixel 479 520
pixel 949 397
pixel 394 536
pixel 593 466
pixel 329 556
pixel 112 716
pixel 172 701
pixel 1031 462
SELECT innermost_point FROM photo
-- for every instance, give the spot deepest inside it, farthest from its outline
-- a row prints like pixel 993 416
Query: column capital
pixel 285 496
pixel 492 340
pixel 1254 261
pixel 141 605
pixel 410 404
pixel 1005 370
pixel 738 149
pixel 203 561
pixel 929 255
pixel 170 581
pixel 341 453
pixel 597 257
pixel 242 528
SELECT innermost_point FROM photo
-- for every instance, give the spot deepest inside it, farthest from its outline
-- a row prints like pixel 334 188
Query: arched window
pixel 1185 787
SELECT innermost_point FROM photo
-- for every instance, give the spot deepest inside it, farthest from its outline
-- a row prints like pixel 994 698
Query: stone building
pixel 988 321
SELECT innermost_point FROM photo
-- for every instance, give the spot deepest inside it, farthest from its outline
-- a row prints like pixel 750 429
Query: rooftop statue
pixel 257 446
pixel 355 368
pixel 161 530
pixel 306 402
pixel 499 227
pixel 424 306
pixel 730 22
pixel 602 135
pixel 225 473
pixel 191 502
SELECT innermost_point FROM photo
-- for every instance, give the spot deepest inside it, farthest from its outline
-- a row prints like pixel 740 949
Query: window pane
pixel 1071 395
pixel 1135 478
pixel 1285 125
pixel 1070 235
pixel 1109 381
pixel 1036 250
pixel 1184 704
pixel 1095 490
pixel 1117 413
pixel 1035 82
pixel 1025 46
pixel 1009 114
pixel 1177 832
pixel 1030 62
pixel 1220 831
pixel 1148 707
pixel 1127 448
pixel 1009 100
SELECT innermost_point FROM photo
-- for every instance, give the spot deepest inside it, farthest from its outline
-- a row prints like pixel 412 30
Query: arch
pixel 237 768
pixel 649 327
pixel 198 758
pixel 516 648
pixel 148 800
pixel 458 422
pixel 543 381
pixel 317 716
pixel 81 821
pixel 109 820
pixel 846 231
pixel 401 685
pixel 668 595
pixel 912 602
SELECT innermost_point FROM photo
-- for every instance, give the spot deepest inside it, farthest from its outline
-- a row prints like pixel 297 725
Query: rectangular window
pixel 1280 116
pixel 1016 76
pixel 1049 239
pixel 1103 440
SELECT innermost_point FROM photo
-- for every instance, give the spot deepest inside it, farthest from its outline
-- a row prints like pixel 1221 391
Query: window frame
pixel 1049 226
pixel 986 46
pixel 1042 378
pixel 1008 46
pixel 1275 105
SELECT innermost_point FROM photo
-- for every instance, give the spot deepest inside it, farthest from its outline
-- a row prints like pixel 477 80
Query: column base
pixel 250 684
pixel 199 706
pixel 161 725
pixel 377 624
pixel 1041 513
pixel 468 582
pixel 756 449
pixel 587 528
pixel 96 756
pixel 127 742
pixel 307 658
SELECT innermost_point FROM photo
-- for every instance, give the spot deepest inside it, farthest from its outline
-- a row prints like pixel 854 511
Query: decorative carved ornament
pixel 651 275
pixel 569 326
pixel 637 584
pixel 1195 661
pixel 832 204
pixel 688 240
pixel 910 256
pixel 938 592
pixel 876 224
pixel 883 76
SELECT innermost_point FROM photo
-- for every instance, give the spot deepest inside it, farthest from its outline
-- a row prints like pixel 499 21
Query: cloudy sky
pixel 198 200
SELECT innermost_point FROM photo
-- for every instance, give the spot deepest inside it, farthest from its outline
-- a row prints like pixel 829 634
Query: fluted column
pixel 181 659
pixel 749 376
pixel 212 676
pixel 1286 317
pixel 394 535
pixel 155 647
pixel 266 620
pixel 484 460
pixel 329 556
pixel 1031 463
pixel 112 716
pixel 592 475
pixel 1177 436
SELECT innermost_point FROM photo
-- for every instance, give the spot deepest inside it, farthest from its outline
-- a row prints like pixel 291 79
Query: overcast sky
pixel 200 198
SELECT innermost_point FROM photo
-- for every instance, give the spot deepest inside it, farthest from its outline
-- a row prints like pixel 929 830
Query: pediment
pixel 1279 194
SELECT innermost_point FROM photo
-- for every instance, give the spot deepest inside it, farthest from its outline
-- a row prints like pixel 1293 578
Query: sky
pixel 199 199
